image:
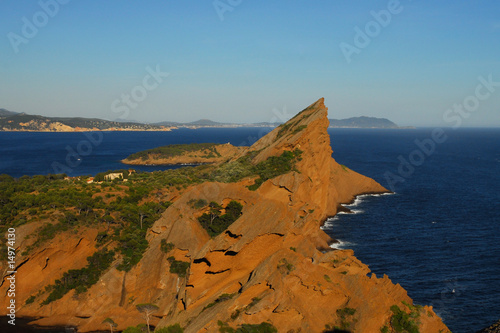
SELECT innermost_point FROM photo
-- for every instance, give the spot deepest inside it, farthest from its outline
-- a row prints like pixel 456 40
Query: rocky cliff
pixel 273 264
pixel 495 328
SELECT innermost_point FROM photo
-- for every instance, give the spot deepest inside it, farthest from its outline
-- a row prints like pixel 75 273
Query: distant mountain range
pixel 13 121
pixel 6 113
pixel 354 122
pixel 362 122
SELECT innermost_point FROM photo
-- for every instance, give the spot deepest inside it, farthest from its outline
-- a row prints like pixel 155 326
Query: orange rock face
pixel 273 264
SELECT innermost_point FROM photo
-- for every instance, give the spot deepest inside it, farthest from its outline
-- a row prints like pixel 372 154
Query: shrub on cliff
pixel 247 328
pixel 215 222
pixel 275 166
pixel 176 328
pixel 81 279
pixel 166 247
pixel 178 267
pixel 403 322
pixel 257 328
pixel 132 329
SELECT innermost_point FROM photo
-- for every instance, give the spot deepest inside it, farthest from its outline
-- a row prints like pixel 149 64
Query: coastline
pixel 89 130
pixel 333 243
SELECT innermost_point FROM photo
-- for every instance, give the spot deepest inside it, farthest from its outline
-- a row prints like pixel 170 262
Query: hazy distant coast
pixel 21 122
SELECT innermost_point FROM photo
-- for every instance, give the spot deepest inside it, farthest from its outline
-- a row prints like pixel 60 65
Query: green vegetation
pixel 327 278
pixel 197 204
pixel 285 267
pixel 132 329
pixel 215 222
pixel 208 150
pixel 247 328
pixel 81 279
pixel 275 166
pixel 178 267
pixel 286 129
pixel 122 212
pixel 345 317
pixel 254 302
pixel 298 129
pixel 403 322
pixel 138 218
pixel 30 299
pixel 147 309
pixel 384 329
pixel 69 204
pixel 257 328
pixel 176 328
pixel 111 323
pixel 220 299
pixel 166 247
pixel 237 312
pixel 283 129
pixel 37 123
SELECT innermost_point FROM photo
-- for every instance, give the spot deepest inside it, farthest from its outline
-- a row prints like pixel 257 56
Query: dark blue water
pixel 76 154
pixel 438 236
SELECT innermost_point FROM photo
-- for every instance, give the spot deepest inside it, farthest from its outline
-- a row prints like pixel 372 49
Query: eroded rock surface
pixel 272 265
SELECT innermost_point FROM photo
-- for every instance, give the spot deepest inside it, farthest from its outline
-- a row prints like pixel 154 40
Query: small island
pixel 182 154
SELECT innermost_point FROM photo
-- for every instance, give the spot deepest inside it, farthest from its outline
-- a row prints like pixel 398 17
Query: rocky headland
pixel 185 154
pixel 272 265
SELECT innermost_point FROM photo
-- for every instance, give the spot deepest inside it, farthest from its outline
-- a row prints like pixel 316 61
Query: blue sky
pixel 263 59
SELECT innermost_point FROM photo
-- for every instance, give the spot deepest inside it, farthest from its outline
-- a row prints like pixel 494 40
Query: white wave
pixel 357 211
pixel 329 223
pixel 341 245
pixel 359 198
pixel 381 194
pixel 356 201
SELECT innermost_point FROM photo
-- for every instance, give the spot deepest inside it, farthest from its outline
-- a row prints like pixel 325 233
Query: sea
pixel 437 235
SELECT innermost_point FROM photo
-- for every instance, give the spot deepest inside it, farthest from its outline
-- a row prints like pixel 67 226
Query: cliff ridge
pixel 272 264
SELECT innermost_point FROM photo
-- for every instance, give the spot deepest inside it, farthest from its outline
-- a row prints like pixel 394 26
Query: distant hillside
pixel 197 123
pixel 36 123
pixel 13 121
pixel 362 122
pixel 6 113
